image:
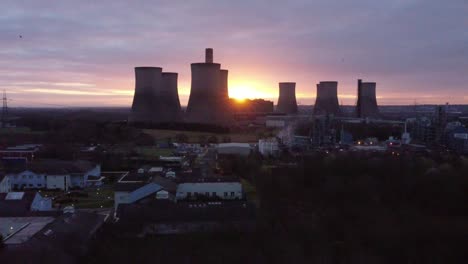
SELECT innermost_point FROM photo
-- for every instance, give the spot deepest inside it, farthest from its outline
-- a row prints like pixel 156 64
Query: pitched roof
pixel 16 203
pixel 165 183
pixel 54 167
pixel 168 211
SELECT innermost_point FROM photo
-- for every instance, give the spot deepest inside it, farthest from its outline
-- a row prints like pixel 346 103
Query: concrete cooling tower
pixel 287 98
pixel 326 101
pixel 209 101
pixel 367 100
pixel 156 99
pixel 169 98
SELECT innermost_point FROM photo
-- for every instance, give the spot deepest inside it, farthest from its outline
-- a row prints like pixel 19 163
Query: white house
pixel 4 184
pixel 52 174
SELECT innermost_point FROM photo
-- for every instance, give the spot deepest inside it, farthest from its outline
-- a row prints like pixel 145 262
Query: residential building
pixel 52 174
pixel 23 203
pixel 4 183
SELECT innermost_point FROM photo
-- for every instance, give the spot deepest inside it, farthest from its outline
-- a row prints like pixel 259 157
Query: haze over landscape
pixel 60 53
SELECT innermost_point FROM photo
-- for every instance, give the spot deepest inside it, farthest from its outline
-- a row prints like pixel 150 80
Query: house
pixel 23 203
pixel 49 240
pixel 210 188
pixel 4 183
pixel 26 152
pixel 52 174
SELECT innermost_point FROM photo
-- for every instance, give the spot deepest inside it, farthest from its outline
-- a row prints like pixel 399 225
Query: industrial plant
pixel 156 99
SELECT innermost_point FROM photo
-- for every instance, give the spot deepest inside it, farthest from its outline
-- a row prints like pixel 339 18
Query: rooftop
pixel 17 230
pixel 54 167
pixel 168 211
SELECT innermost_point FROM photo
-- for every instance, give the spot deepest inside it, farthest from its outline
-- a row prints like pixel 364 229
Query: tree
pixel 2 244
pixel 213 139
pixel 181 138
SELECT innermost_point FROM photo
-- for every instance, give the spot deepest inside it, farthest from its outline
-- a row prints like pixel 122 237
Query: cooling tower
pixel 208 101
pixel 147 82
pixel 169 104
pixel 326 101
pixel 156 99
pixel 367 100
pixel 223 80
pixel 287 98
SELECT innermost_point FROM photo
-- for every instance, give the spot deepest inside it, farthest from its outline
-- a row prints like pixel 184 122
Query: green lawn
pixel 250 191
pixel 153 152
pixel 102 197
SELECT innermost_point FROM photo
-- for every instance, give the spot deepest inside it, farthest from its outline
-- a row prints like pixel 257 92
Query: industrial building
pixel 156 98
pixel 367 100
pixel 216 188
pixel 209 101
pixel 287 98
pixel 326 101
pixel 269 147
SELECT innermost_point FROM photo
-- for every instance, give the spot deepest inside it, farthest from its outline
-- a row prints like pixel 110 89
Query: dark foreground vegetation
pixel 330 208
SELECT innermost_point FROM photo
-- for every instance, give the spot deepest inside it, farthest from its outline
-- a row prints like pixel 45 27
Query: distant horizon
pixel 79 54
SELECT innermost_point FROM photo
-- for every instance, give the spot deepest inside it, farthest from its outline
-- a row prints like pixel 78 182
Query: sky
pixel 83 53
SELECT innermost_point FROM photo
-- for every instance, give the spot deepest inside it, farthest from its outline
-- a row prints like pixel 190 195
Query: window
pixel 232 194
pixel 30 185
pixel 39 185
pixel 30 176
pixel 24 176
pixel 225 194
pixel 38 176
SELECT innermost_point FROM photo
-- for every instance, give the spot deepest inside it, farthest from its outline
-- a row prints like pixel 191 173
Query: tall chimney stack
pixel 209 55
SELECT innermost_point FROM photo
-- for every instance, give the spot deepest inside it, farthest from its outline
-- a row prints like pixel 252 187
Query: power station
pixel 367 100
pixel 287 98
pixel 209 100
pixel 326 101
pixel 156 99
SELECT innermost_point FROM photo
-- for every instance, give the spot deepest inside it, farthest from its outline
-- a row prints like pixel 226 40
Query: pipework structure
pixel 287 98
pixel 326 101
pixel 367 100
pixel 156 98
pixel 209 100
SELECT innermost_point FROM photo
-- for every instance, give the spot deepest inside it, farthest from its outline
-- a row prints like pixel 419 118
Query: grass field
pixel 102 197
pixel 250 191
pixel 194 137
pixel 153 152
